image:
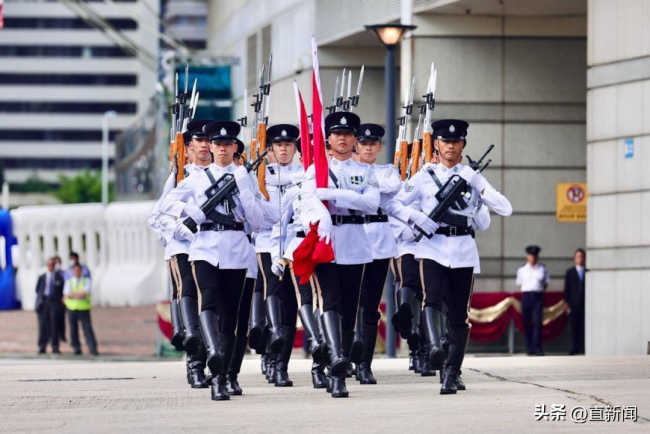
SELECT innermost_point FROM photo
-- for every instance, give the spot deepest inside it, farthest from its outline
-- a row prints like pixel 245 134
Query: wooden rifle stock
pixel 180 158
pixel 261 171
pixel 404 158
pixel 427 144
pixel 416 157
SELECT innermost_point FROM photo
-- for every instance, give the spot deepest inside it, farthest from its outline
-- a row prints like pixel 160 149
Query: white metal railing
pixel 124 256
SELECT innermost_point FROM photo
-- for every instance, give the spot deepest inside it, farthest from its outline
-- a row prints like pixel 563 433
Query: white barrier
pixel 124 256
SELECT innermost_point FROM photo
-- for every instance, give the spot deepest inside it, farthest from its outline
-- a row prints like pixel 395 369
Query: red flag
pixel 2 20
pixel 312 251
pixel 305 139
pixel 320 156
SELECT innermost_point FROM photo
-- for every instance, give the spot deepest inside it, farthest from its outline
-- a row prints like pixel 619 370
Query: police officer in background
pixel 533 279
pixel 449 258
pixel 384 248
pixel 352 192
pixel 219 253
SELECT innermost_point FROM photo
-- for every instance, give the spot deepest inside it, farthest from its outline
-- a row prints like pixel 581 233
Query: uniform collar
pixel 230 168
pixel 291 167
pixel 346 163
pixel 444 168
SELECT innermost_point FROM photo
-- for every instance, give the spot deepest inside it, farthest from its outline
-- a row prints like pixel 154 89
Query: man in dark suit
pixel 574 294
pixel 49 307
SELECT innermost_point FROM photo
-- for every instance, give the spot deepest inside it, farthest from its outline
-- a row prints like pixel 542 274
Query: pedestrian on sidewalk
pixel 574 294
pixel 77 300
pixel 49 307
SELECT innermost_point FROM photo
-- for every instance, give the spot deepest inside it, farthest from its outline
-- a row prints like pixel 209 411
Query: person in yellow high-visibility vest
pixel 77 299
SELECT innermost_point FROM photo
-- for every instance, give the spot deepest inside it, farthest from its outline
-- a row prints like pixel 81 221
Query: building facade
pixel 618 157
pixel 59 75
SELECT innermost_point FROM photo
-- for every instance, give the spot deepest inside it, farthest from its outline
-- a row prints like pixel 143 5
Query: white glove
pixel 326 194
pixel 194 212
pixel 325 229
pixel 424 222
pixel 242 178
pixel 181 232
pixel 277 267
pixel 473 178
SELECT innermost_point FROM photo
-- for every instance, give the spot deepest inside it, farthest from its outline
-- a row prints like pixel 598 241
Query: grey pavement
pixel 99 396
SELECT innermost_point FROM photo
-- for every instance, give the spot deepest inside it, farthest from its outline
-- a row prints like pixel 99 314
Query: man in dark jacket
pixel 574 294
pixel 49 307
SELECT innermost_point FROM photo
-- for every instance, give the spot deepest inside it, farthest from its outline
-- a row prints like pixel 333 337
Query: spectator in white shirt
pixel 533 279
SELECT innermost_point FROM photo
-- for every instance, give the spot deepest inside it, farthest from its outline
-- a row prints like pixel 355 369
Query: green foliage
pixel 85 187
pixel 33 185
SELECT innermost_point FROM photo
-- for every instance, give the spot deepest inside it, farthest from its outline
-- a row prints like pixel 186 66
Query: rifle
pixel 430 101
pixel 416 152
pixel 339 100
pixel 226 188
pixel 401 156
pixel 265 91
pixel 451 192
pixel 355 99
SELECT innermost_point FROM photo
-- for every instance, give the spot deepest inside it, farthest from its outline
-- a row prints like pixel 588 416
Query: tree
pixel 85 187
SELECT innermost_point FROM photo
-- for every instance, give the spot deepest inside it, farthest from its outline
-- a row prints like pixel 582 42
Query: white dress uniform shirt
pixel 533 278
pixel 453 252
pixel 226 249
pixel 290 221
pixel 277 179
pixel 253 267
pixel 164 225
pixel 380 233
pixel 349 241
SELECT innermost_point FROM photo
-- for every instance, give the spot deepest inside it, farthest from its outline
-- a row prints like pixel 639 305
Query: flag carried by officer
pixel 312 251
pixel 2 20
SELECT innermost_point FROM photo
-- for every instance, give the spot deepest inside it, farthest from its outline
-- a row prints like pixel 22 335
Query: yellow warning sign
pixel 571 202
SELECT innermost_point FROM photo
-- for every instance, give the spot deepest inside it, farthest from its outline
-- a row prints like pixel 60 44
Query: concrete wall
pixel 618 232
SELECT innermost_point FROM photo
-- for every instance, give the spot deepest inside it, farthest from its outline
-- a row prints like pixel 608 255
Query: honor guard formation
pixel 255 239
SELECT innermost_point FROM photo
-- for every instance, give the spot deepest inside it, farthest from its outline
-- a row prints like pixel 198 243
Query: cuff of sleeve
pixel 194 212
pixel 346 199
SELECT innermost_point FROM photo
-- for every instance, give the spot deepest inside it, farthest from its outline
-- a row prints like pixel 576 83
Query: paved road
pixel 134 397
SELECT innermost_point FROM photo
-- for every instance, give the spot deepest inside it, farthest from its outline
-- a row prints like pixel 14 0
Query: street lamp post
pixel 107 115
pixel 390 36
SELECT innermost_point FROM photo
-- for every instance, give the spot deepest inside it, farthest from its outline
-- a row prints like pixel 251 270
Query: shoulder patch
pixel 408 187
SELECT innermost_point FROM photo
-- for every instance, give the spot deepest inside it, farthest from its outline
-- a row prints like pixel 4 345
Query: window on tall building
pixel 66 107
pixel 64 23
pixel 53 135
pixel 61 51
pixel 71 80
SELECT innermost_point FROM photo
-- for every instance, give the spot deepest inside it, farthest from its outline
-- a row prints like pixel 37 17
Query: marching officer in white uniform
pixel 449 258
pixel 274 280
pixel 184 303
pixel 220 253
pixel 353 192
pixel 384 248
pixel 287 235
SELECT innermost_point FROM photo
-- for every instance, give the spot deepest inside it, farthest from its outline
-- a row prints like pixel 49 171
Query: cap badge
pixel 452 129
pixel 344 121
pixel 367 132
pixel 223 132
pixel 284 133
